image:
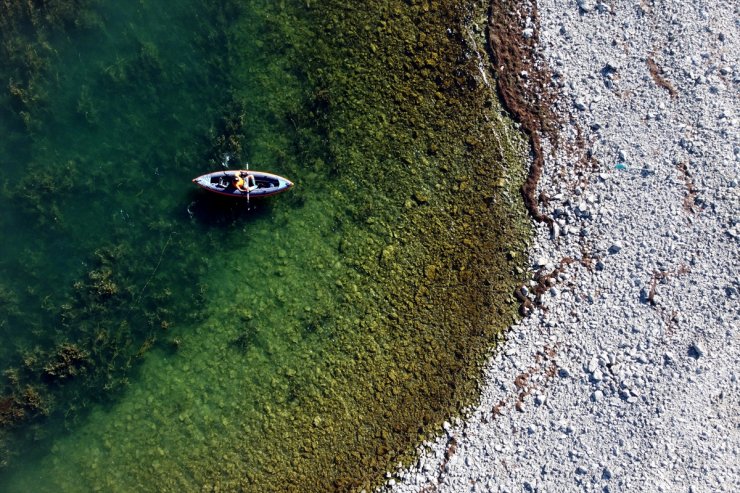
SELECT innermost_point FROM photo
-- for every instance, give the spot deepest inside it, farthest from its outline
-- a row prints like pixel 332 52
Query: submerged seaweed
pixel 318 337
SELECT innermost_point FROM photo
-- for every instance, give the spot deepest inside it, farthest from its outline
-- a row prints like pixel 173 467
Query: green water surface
pixel 156 338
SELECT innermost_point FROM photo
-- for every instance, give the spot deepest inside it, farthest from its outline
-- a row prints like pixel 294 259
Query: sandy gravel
pixel 626 376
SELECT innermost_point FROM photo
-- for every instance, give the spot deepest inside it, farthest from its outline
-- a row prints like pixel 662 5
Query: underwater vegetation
pixel 306 345
pixel 423 178
pixel 86 294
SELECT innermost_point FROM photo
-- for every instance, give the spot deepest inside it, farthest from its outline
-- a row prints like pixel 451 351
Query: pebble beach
pixel 624 375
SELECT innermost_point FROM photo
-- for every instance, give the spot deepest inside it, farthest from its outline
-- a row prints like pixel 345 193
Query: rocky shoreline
pixel 623 377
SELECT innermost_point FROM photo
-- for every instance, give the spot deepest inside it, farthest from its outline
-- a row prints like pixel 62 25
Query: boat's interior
pixel 264 182
pixel 226 181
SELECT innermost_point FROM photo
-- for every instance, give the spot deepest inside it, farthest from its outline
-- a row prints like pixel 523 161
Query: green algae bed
pixel 156 338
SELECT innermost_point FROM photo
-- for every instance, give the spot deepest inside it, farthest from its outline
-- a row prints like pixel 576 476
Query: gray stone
pixel 697 350
pixel 555 230
pixel 668 358
pixel 586 5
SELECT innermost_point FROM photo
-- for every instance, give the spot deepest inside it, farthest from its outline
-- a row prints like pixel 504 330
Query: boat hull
pixel 223 183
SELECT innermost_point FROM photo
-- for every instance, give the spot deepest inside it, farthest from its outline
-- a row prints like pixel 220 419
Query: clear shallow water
pixel 153 335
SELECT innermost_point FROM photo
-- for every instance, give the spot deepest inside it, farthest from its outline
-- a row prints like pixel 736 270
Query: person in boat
pixel 245 182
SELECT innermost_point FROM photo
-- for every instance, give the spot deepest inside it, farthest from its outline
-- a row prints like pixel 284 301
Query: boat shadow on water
pixel 216 211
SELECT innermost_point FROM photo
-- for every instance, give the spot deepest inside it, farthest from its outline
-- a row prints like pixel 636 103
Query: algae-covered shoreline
pixel 390 277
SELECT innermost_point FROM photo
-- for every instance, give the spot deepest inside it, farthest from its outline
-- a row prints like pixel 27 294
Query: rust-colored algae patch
pixel 656 72
pixel 524 85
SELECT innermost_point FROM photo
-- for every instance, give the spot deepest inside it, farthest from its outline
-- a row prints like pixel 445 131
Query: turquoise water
pixel 107 245
pixel 155 337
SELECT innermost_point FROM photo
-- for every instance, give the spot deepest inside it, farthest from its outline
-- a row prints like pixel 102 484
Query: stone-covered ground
pixel 624 377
